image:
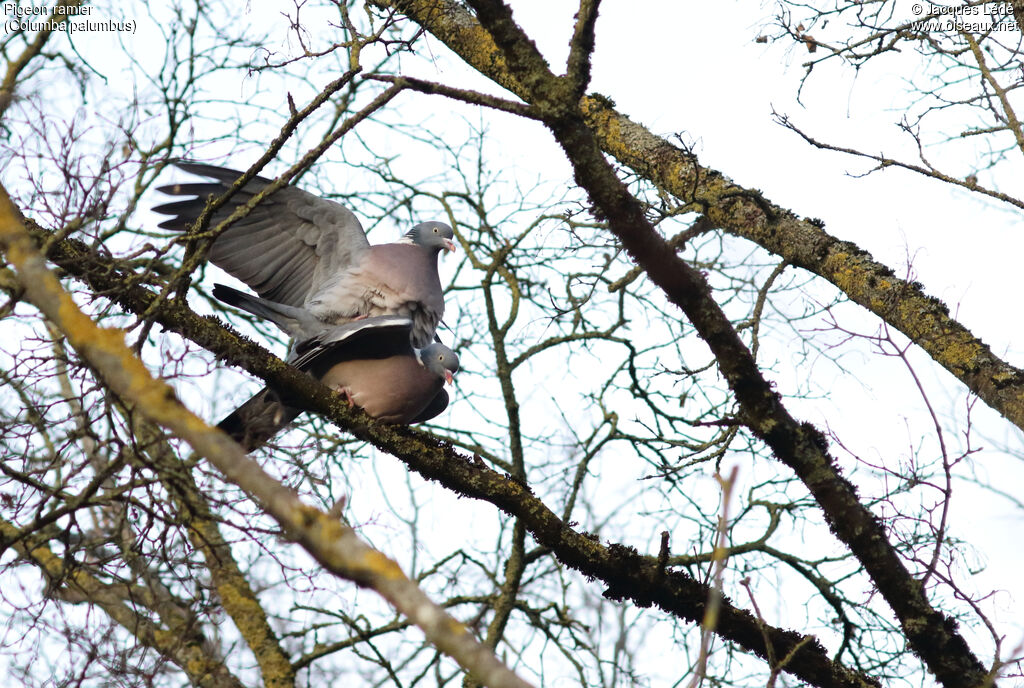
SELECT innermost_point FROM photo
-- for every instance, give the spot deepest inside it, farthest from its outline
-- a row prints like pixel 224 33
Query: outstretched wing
pixel 284 247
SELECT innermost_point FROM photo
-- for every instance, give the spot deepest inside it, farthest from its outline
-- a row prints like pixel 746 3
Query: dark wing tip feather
pixel 188 209
pixel 175 223
pixel 228 295
pixel 191 189
pixel 206 170
pixel 225 175
pixel 179 207
pixel 183 213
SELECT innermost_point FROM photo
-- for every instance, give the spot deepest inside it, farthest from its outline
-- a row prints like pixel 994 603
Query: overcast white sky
pixel 694 69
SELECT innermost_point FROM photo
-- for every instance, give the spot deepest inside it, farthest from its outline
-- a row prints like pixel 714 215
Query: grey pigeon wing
pixel 283 247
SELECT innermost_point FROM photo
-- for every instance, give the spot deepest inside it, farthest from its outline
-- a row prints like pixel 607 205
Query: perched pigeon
pixel 370 361
pixel 303 251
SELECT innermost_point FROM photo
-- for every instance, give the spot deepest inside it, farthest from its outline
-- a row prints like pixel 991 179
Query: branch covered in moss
pixel 627 574
pixel 933 636
pixel 746 213
pixel 330 542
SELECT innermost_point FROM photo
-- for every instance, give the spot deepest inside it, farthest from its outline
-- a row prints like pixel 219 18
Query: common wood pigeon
pixel 300 250
pixel 370 361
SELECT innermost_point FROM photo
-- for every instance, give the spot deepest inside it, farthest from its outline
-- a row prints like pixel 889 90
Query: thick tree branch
pixel 333 544
pixel 627 574
pixel 581 47
pixel 932 635
pixel 746 213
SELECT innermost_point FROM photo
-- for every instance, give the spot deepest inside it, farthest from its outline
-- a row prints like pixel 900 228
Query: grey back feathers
pixel 300 250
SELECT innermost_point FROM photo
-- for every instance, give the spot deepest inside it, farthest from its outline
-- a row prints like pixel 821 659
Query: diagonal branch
pixel 521 55
pixel 1004 98
pixel 332 543
pixel 627 574
pixel 746 213
pixel 925 170
pixel 932 635
pixel 460 94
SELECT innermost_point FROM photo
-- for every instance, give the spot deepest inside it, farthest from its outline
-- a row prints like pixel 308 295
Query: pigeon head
pixel 435 235
pixel 440 360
